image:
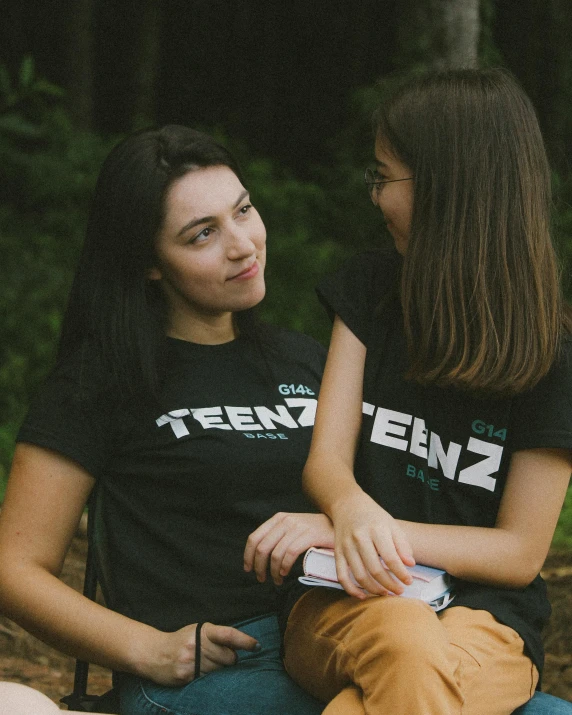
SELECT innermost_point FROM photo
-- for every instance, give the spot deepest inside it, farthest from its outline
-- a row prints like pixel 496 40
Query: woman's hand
pixel 280 540
pixel 364 533
pixel 173 659
pixel 363 530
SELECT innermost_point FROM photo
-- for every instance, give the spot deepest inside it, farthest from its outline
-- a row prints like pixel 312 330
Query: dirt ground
pixel 25 660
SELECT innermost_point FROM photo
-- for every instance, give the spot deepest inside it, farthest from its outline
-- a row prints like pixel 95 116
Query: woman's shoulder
pixel 542 417
pixel 561 369
pixel 78 379
pixel 557 383
pixel 73 412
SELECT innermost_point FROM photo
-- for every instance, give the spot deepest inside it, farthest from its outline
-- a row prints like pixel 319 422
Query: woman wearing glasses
pixel 444 427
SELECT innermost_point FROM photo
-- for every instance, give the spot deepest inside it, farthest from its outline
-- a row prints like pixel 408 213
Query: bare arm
pixel 279 541
pixel 363 530
pixel 43 504
pixel 512 553
pixel 338 421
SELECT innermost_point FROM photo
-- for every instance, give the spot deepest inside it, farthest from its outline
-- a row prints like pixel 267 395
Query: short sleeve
pixel 542 417
pixel 356 290
pixel 71 418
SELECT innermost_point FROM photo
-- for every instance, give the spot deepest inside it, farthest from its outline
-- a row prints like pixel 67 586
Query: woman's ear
pixel 154 274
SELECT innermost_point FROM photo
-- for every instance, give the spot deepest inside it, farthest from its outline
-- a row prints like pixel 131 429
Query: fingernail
pixel 257 648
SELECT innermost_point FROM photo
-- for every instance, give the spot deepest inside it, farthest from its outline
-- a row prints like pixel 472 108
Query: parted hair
pixel 115 314
pixel 480 289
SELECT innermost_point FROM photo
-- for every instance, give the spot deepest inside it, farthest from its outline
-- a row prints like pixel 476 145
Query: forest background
pixel 289 86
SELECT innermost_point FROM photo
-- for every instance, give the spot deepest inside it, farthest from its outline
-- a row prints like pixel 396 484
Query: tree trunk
pixel 143 89
pixel 439 34
pixel 554 93
pixel 79 61
pixel 457 33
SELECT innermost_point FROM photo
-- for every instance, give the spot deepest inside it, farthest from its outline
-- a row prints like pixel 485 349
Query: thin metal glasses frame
pixel 373 183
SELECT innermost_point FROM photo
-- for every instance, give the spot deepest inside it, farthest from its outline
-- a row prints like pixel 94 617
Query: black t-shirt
pixel 184 485
pixel 438 455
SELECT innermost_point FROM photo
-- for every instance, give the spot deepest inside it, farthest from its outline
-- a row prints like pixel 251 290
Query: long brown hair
pixel 480 290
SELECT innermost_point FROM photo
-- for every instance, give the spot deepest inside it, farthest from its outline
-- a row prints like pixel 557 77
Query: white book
pixel 431 585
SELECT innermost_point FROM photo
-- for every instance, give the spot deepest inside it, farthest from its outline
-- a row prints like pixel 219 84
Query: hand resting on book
pixel 278 542
pixel 434 586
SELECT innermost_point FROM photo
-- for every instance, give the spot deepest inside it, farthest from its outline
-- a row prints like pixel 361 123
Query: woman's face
pixel 210 251
pixel 395 198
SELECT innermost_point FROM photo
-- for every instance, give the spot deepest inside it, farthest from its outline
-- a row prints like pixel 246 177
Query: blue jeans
pixel 256 685
pixel 544 704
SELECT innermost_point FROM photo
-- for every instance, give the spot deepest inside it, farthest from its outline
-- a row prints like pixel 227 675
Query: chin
pixel 252 300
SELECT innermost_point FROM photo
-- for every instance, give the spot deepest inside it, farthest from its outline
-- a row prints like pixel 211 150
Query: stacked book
pixel 434 586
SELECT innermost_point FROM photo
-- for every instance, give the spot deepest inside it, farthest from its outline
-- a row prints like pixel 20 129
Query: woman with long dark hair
pixel 194 422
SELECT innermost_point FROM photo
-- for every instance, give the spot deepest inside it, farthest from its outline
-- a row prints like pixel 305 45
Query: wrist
pixel 144 651
pixel 341 501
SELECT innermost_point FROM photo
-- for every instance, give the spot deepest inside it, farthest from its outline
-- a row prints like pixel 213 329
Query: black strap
pixel 198 650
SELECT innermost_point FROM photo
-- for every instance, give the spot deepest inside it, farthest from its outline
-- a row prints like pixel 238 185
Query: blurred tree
pixel 48 169
pixel 543 64
pixel 282 78
pixel 279 74
pixel 276 74
pixel 438 34
pixel 146 59
pixel 79 65
pixel 129 56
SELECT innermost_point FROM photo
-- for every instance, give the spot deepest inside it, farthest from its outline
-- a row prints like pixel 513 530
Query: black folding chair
pixel 79 699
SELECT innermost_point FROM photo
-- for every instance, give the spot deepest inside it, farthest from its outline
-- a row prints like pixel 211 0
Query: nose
pixel 240 243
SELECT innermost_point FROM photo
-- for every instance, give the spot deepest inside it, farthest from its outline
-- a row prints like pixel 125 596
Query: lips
pixel 247 273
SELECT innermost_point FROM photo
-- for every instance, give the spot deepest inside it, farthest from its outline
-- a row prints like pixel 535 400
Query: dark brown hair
pixel 480 290
pixel 114 312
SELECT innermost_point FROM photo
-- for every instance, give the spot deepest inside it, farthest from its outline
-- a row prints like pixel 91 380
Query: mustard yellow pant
pixel 396 656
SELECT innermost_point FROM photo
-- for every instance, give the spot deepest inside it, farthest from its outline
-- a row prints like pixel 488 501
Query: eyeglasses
pixel 373 182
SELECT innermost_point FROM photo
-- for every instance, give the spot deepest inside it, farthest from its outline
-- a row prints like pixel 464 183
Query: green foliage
pixel 49 169
pixel 311 225
pixel 23 99
pixel 48 172
pixel 298 253
pixel 563 534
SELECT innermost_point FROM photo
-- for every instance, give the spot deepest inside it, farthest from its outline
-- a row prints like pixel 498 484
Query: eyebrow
pixel 208 219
